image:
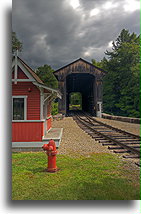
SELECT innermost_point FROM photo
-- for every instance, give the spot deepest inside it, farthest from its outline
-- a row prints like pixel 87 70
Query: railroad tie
pixel 130 156
pixel 121 151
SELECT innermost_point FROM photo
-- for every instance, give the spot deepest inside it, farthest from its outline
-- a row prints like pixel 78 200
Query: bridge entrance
pixel 84 78
pixel 75 101
pixel 84 85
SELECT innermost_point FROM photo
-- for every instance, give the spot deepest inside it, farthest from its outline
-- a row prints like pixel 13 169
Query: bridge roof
pixel 80 59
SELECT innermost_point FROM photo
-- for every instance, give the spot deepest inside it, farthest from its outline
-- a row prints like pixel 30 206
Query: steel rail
pixel 111 127
pixel 131 149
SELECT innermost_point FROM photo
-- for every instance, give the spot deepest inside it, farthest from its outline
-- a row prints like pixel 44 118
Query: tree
pixel 102 64
pixel 45 72
pixel 121 84
pixel 16 44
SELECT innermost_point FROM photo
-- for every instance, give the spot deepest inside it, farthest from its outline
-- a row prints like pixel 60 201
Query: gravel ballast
pixel 75 143
pixel 75 140
pixel 129 127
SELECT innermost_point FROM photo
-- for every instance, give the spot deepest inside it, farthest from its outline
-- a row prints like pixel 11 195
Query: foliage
pixel 75 101
pixel 45 73
pixel 121 83
pixel 16 44
pixel 97 177
pixel 54 109
pixel 75 98
pixel 102 64
pixel 75 107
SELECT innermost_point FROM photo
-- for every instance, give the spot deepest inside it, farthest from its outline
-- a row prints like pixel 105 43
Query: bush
pixel 54 109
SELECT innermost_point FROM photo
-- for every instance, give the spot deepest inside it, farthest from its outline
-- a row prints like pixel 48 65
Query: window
pixel 19 108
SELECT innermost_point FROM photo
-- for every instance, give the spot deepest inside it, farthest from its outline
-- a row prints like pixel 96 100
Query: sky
pixel 57 32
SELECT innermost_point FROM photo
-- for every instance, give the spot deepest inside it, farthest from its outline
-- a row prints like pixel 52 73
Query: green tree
pixel 45 72
pixel 121 84
pixel 16 44
pixel 102 64
pixel 75 98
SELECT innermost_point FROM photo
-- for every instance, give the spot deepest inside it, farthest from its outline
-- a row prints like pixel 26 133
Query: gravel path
pixel 75 140
pixel 129 127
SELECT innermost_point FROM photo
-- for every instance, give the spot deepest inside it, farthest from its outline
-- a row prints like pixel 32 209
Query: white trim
pixel 50 89
pixel 47 132
pixel 25 70
pixel 41 103
pixel 46 87
pixel 47 98
pixel 49 117
pixel 99 111
pixel 28 121
pixel 29 144
pixel 19 96
pixel 23 80
pixel 31 78
pixel 16 62
pixel 46 93
pixel 25 106
pixel 44 115
pixel 44 127
pixel 13 63
pixel 15 70
pixel 51 98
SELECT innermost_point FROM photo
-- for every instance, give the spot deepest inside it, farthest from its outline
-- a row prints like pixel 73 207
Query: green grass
pixel 99 177
pixel 75 107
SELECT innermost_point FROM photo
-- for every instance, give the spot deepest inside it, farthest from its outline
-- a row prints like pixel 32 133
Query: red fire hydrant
pixel 51 152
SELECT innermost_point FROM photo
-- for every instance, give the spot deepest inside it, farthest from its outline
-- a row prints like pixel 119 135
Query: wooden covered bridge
pixel 85 78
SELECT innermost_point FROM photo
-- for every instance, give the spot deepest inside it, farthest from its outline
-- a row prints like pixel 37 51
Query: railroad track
pixel 116 139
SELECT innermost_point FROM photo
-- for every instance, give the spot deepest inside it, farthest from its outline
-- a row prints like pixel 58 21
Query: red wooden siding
pixel 21 74
pixel 33 98
pixel 27 131
pixel 48 123
pixel 31 130
pixel 48 109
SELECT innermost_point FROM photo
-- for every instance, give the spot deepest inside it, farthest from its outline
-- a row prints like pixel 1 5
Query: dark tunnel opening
pixel 85 85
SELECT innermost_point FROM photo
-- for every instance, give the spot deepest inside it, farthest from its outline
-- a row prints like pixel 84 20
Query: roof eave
pixel 58 94
pixel 76 61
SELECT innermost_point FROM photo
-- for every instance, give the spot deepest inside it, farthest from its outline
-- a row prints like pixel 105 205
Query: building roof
pixel 34 75
pixel 38 82
pixel 80 60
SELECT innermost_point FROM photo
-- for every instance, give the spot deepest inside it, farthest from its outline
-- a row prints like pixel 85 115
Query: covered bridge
pixel 83 77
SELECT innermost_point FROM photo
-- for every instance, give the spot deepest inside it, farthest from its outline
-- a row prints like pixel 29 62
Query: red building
pixel 31 104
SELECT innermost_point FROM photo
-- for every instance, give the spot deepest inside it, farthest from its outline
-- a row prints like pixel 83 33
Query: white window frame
pixel 25 107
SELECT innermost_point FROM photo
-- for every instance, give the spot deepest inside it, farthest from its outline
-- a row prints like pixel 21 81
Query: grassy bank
pixel 98 177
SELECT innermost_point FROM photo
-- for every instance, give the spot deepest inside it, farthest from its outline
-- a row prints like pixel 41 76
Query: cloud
pixel 58 31
pixel 131 6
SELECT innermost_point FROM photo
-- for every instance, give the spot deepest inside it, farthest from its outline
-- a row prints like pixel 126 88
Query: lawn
pixel 97 177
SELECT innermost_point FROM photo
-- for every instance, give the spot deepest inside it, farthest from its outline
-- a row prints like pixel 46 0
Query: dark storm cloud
pixel 55 33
